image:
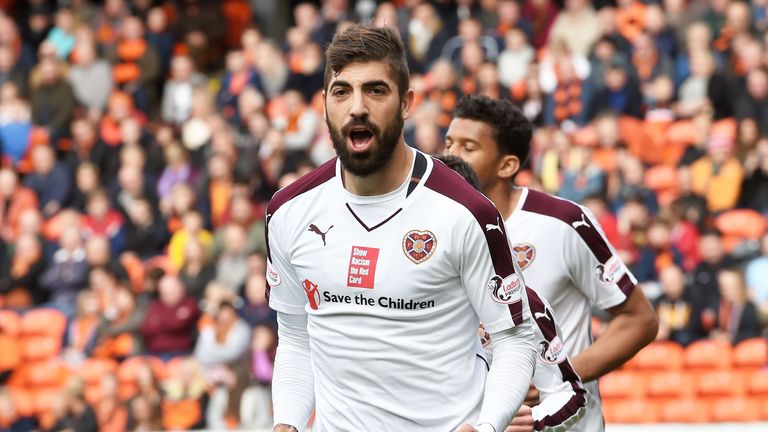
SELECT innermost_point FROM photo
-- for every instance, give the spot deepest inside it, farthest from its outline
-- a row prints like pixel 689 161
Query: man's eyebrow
pixel 340 84
pixel 376 83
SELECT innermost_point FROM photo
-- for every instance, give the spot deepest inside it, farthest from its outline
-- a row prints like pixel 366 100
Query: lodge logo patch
pixel 419 246
pixel 506 291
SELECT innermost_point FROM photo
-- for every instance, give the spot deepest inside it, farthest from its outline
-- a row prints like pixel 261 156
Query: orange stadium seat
pixel 40 347
pixel 736 410
pixel 44 399
pixel 661 355
pixel 721 383
pixel 751 353
pixel 49 373
pixel 685 410
pixel 93 369
pixel 632 411
pixel 10 323
pixel 622 384
pixel 708 354
pixel 23 401
pixel 739 225
pixel 670 384
pixel 10 354
pixel 757 384
pixel 45 321
pixel 127 374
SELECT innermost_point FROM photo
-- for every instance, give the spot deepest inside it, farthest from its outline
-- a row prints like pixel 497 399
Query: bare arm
pixel 634 326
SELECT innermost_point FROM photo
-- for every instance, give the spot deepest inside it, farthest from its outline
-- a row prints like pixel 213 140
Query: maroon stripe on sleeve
pixel 626 285
pixel 541 315
pixel 571 214
pixel 445 181
pixel 313 179
pixel 570 409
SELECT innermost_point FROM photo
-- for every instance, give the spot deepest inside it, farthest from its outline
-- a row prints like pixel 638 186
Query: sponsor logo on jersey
pixel 610 272
pixel 419 246
pixel 313 228
pixel 506 291
pixel 362 267
pixel 273 277
pixel 524 254
pixel 313 295
pixel 550 352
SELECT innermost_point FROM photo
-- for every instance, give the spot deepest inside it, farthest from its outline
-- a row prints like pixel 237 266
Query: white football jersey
pixel 394 287
pixel 566 258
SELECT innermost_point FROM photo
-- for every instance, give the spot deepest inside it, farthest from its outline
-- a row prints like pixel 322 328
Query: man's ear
pixel 509 165
pixel 325 114
pixel 407 103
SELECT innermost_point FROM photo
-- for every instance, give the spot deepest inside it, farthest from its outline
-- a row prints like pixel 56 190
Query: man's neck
pixel 387 179
pixel 505 196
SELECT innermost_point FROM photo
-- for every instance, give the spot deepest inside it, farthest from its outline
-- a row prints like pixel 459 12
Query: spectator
pixel 67 274
pixel 674 308
pixel 101 220
pixel 10 419
pixel 145 233
pixel 197 271
pixel 581 177
pixel 425 36
pixel 694 91
pixel 299 124
pixel 19 286
pixel 97 253
pixel 177 170
pixel 10 70
pixel 516 58
pixel 470 33
pixel 159 37
pixel 704 283
pixel 185 397
pixel 137 66
pixel 117 335
pixel 91 78
pixel 132 187
pixel 86 182
pixel 82 328
pixel 753 103
pixel 177 95
pixel 14 200
pixel 717 176
pixel 192 227
pixel 222 349
pixel 50 181
pixel 111 414
pixel 16 132
pixel 144 415
pixel 754 188
pixel 71 411
pixel 272 68
pixel 62 35
pixel 256 401
pixel 577 25
pixel 736 318
pixel 756 278
pixel 232 264
pixel 53 100
pixel 621 93
pixel 239 76
pixel 169 326
pixel 255 310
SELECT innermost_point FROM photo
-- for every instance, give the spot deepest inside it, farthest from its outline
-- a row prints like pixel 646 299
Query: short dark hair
pixel 462 168
pixel 512 130
pixel 362 43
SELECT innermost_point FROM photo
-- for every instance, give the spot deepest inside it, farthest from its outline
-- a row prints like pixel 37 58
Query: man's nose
pixel 358 108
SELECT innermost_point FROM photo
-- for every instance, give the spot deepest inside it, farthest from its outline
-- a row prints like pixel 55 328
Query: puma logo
pixel 491 227
pixel 582 222
pixel 538 315
pixel 316 230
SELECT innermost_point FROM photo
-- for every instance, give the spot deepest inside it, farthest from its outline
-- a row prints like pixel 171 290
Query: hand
pixel 466 428
pixel 523 421
pixel 284 428
pixel 532 398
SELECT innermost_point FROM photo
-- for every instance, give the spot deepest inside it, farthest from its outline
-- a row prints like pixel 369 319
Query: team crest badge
pixel 419 245
pixel 524 254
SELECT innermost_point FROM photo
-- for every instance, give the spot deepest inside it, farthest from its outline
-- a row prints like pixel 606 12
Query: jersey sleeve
pixel 563 397
pixel 490 276
pixel 284 289
pixel 594 266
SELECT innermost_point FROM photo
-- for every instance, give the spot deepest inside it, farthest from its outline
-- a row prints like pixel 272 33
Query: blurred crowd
pixel 140 141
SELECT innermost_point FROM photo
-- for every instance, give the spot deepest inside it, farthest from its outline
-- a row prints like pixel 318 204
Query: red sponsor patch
pixel 524 254
pixel 313 295
pixel 419 245
pixel 362 267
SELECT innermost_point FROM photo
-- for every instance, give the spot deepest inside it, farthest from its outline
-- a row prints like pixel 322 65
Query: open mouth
pixel 360 139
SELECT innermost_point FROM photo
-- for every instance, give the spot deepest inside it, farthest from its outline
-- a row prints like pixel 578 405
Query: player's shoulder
pixel 560 209
pixel 306 183
pixel 446 183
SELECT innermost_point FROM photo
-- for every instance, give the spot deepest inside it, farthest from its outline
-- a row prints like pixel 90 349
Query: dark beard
pixel 378 156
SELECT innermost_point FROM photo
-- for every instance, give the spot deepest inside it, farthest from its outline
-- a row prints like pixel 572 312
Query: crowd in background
pixel 140 141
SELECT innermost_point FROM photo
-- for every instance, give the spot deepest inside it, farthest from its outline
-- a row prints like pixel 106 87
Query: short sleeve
pixel 489 274
pixel 284 289
pixel 595 267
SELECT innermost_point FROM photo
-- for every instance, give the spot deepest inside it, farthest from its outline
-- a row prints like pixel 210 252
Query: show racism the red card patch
pixel 362 267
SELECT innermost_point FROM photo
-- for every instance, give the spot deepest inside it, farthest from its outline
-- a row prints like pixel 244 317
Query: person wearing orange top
pixel 717 176
pixel 14 200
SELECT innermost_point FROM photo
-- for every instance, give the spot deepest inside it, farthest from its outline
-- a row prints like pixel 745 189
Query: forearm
pixel 623 338
pixel 293 392
pixel 514 360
